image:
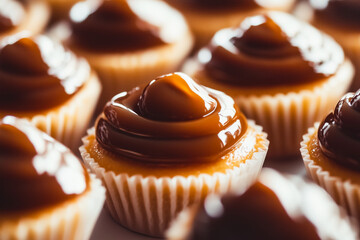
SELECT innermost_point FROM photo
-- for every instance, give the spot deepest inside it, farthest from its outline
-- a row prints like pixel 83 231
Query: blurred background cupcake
pixel 206 17
pixel 339 19
pixel 126 42
pixel 162 147
pixel 48 85
pixel 282 73
pixel 23 15
pixel 45 192
pixel 331 153
pixel 275 207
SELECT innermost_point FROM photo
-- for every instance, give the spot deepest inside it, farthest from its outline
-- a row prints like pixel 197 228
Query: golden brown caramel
pixel 35 171
pixel 181 99
pixel 111 25
pixel 264 211
pixel 185 123
pixel 38 74
pixel 270 50
pixel 344 14
pixel 11 14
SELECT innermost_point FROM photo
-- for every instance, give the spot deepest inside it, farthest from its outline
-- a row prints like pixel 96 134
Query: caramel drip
pixel 111 26
pixel 339 133
pixel 38 74
pixel 344 14
pixel 256 214
pixel 270 50
pixel 171 120
pixel 35 171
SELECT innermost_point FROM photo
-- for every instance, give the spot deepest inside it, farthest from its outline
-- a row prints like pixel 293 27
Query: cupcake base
pixel 147 204
pixel 345 191
pixel 70 221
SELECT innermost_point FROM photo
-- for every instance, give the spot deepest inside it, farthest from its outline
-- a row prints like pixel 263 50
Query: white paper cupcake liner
pixel 345 193
pixel 71 221
pixel 36 18
pixel 328 213
pixel 69 122
pixel 148 204
pixel 286 117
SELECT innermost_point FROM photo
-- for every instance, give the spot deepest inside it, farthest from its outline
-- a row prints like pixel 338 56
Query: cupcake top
pixel 268 50
pixel 339 132
pixel 274 207
pixel 12 13
pixel 37 74
pixel 36 172
pixel 121 25
pixel 171 120
pixel 344 14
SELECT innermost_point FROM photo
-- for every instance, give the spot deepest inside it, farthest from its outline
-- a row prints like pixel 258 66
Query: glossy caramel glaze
pixel 256 214
pixel 344 14
pixel 37 74
pixel 111 26
pixel 11 14
pixel 339 133
pixel 270 50
pixel 171 120
pixel 36 172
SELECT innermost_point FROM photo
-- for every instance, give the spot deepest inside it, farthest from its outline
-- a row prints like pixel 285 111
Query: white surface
pixel 107 229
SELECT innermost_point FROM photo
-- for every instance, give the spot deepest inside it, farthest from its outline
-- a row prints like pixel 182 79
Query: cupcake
pixel 340 19
pixel 331 153
pixel 23 15
pixel 48 85
pixel 281 72
pixel 126 42
pixel 45 192
pixel 274 207
pixel 206 17
pixel 162 147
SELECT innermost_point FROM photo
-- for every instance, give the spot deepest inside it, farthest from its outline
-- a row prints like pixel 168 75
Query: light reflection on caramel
pixel 35 170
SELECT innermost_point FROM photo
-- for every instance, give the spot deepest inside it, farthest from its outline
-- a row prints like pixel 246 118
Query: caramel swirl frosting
pixel 270 50
pixel 339 133
pixel 38 74
pixel 35 171
pixel 113 25
pixel 171 120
